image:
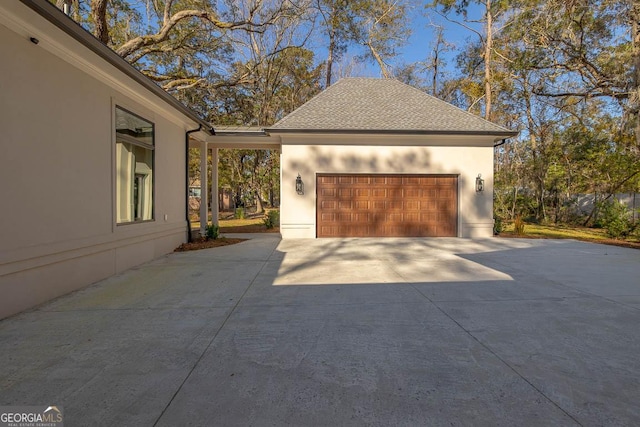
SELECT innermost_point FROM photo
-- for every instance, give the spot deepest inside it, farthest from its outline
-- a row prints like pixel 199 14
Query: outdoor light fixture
pixel 299 185
pixel 479 183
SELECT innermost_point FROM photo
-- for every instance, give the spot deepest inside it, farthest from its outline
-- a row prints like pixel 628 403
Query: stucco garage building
pixel 380 158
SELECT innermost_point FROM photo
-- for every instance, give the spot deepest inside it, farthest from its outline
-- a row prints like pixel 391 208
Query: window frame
pixel 121 138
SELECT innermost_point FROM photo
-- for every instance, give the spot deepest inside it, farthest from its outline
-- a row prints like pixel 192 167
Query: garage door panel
pixel 379 192
pixel 362 193
pixel 427 180
pixel 362 180
pixel 411 180
pixel 411 193
pixel 362 205
pixel 394 193
pixel 386 205
pixel 360 231
pixel 446 193
pixel 345 193
pixel 429 217
pixel 429 205
pixel 327 205
pixel 412 217
pixel 443 181
pixel 324 180
pixel 345 205
pixel 411 205
pixel 395 205
pixel 361 217
pixel 378 205
pixel 327 217
pixel 394 180
pixel 394 231
pixel 394 217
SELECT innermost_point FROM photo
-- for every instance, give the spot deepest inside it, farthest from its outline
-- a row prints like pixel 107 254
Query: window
pixel 195 192
pixel 134 167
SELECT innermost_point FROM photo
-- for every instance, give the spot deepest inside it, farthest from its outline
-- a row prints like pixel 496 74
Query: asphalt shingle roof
pixel 387 105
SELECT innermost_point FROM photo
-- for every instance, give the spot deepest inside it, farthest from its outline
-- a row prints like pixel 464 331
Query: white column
pixel 215 197
pixel 203 188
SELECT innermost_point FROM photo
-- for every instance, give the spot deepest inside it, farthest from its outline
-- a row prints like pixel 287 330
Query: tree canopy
pixel 565 73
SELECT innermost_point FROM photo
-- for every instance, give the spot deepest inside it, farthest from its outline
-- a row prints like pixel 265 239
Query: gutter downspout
pixel 504 141
pixel 186 178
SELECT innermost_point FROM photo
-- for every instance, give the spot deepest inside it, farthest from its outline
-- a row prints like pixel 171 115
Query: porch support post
pixel 215 197
pixel 203 188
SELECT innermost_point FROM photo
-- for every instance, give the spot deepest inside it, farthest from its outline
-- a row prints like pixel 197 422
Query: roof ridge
pixel 383 105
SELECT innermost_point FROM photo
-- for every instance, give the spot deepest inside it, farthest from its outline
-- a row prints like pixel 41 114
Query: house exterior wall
pixel 57 176
pixel 465 157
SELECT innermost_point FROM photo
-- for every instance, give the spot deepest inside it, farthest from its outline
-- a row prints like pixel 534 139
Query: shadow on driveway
pixel 342 332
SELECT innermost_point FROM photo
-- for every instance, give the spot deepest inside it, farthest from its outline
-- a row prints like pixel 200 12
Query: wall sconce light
pixel 479 183
pixel 299 185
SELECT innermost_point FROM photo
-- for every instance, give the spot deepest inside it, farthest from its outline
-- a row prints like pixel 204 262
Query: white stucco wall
pixel 57 185
pixel 309 155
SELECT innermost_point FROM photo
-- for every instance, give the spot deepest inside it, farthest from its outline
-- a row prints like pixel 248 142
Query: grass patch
pixel 227 223
pixel 596 235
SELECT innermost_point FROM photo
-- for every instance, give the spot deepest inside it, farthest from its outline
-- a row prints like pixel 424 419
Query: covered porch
pixel 231 137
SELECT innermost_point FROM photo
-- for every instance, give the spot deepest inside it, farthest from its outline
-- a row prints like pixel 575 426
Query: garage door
pixel 387 205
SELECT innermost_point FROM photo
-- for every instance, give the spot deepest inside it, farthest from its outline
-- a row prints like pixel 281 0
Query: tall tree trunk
pixel 539 173
pixel 99 15
pixel 378 58
pixel 332 47
pixel 488 47
pixel 635 96
pixel 434 83
pixel 259 204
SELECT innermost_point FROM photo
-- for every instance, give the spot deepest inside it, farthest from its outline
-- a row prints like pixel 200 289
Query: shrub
pixel 239 213
pixel 518 226
pixel 616 218
pixel 213 231
pixel 497 225
pixel 272 219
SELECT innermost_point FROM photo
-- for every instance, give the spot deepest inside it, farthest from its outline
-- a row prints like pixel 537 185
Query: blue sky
pixel 419 44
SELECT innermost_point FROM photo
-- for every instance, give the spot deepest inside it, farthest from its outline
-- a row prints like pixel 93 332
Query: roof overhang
pixel 240 138
pixel 497 136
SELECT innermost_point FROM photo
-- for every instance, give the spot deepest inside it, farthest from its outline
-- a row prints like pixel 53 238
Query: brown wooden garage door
pixel 387 205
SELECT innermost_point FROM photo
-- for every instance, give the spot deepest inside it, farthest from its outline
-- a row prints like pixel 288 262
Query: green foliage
pixel 272 219
pixel 212 232
pixel 497 225
pixel 239 213
pixel 616 218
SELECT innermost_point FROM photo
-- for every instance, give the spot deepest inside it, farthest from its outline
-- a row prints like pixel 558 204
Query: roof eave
pixel 499 135
pixel 54 15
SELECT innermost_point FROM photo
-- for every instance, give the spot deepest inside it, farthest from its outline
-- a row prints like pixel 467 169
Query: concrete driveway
pixel 342 332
